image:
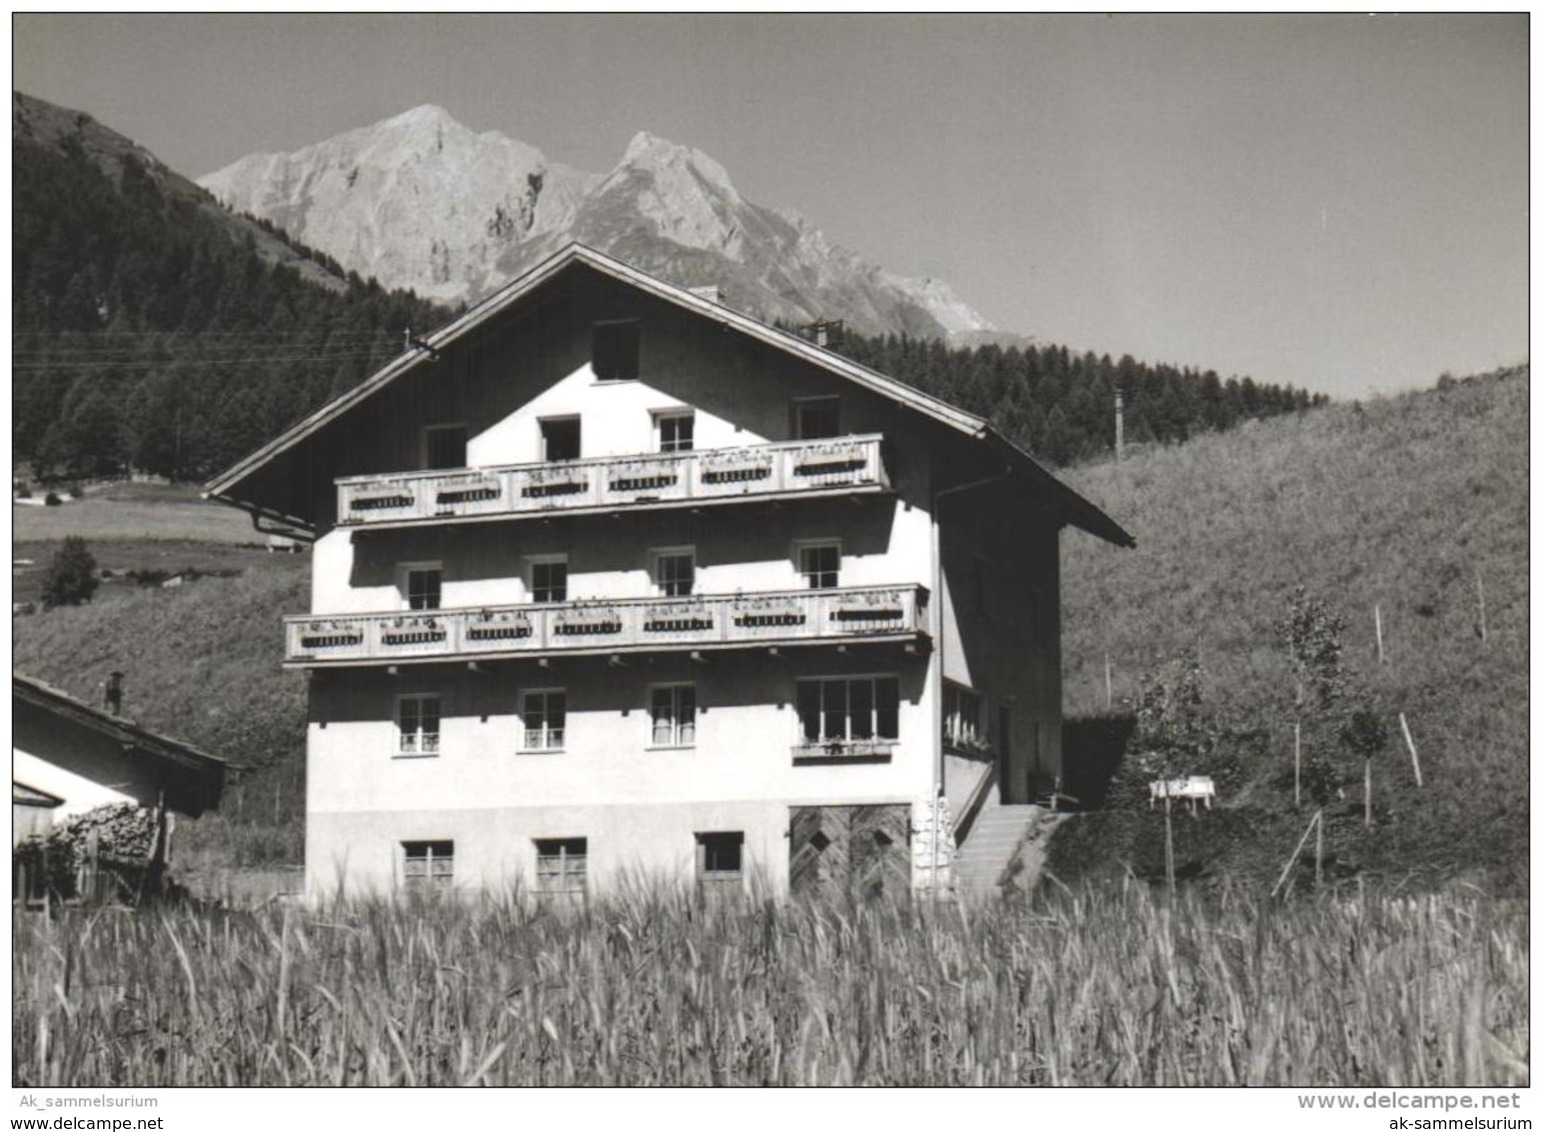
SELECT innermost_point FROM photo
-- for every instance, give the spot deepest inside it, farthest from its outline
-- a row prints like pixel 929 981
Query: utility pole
pixel 1118 424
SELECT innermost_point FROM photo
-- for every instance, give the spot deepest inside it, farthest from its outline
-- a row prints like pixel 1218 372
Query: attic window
pixel 444 446
pixel 615 351
pixel 816 417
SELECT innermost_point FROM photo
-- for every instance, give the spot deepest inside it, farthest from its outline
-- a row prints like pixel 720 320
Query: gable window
pixel 615 351
pixel 820 565
pixel 674 715
pixel 814 418
pixel 561 866
pixel 963 718
pixel 444 446
pixel 549 579
pixel 545 718
pixel 674 572
pixel 421 585
pixel 849 709
pixel 720 858
pixel 677 431
pixel 428 866
pixel 561 438
pixel 417 724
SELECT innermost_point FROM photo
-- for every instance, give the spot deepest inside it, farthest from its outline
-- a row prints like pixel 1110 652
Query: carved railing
pixel 625 624
pixel 838 464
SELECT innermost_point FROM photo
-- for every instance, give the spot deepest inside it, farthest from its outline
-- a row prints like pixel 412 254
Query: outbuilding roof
pixel 193 779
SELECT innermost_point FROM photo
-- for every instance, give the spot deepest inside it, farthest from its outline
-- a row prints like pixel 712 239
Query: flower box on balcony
pixel 330 635
pixel 678 617
pixel 756 613
pixel 735 467
pixel 830 460
pixel 643 475
pixel 386 500
pixel 543 483
pixel 874 749
pixel 498 626
pixel 970 746
pixel 471 491
pixel 598 621
pixel 868 608
pixel 412 631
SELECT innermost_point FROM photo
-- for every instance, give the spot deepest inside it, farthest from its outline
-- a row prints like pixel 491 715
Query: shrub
pixel 23 491
pixel 76 491
pixel 70 578
pixel 51 499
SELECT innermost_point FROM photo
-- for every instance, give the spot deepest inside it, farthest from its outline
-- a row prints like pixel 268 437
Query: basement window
pixel 615 351
pixel 428 866
pixel 720 858
pixel 561 867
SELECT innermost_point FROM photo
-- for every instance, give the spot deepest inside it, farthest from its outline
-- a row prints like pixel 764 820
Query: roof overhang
pixel 227 486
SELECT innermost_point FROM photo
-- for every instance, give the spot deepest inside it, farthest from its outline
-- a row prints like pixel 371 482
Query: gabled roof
pixel 1078 510
pixel 194 779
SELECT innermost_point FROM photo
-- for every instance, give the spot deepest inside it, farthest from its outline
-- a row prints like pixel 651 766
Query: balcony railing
pixel 801 467
pixel 622 625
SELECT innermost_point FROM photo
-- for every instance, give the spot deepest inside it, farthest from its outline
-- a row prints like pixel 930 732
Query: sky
pixel 1334 201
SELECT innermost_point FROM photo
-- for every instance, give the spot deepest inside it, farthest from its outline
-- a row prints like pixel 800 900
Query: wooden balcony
pixel 792 469
pixel 798 617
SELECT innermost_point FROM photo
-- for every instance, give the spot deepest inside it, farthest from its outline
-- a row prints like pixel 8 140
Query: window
pixel 428 866
pixel 856 708
pixel 421 585
pixel 549 579
pixel 720 858
pixel 674 715
pixel 615 351
pixel 963 719
pixel 561 866
pixel 674 572
pixel 417 725
pixel 677 431
pixel 546 718
pixel 816 417
pixel 820 565
pixel 561 438
pixel 444 446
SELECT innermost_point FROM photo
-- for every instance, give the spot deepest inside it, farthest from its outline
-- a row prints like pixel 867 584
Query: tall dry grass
pixel 1105 987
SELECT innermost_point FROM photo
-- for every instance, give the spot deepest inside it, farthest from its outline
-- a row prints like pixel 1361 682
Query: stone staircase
pixel 999 834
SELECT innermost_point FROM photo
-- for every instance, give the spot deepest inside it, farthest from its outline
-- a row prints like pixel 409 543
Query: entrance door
pixel 866 848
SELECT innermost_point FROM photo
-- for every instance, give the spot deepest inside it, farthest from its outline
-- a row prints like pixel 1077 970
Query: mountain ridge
pixel 500 206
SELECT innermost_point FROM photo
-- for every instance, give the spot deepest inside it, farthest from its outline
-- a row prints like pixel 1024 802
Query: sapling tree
pixel 1312 634
pixel 1364 737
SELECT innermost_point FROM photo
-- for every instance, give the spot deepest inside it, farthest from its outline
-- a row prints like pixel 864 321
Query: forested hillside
pixel 1059 404
pixel 153 329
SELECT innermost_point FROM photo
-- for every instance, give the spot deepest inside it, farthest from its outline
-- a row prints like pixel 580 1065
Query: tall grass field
pixel 1105 988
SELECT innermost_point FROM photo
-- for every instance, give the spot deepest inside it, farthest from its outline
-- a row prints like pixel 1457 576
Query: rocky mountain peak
pixel 419 201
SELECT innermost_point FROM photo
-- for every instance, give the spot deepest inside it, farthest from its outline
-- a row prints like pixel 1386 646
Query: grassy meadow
pixel 1402 502
pixel 1108 987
